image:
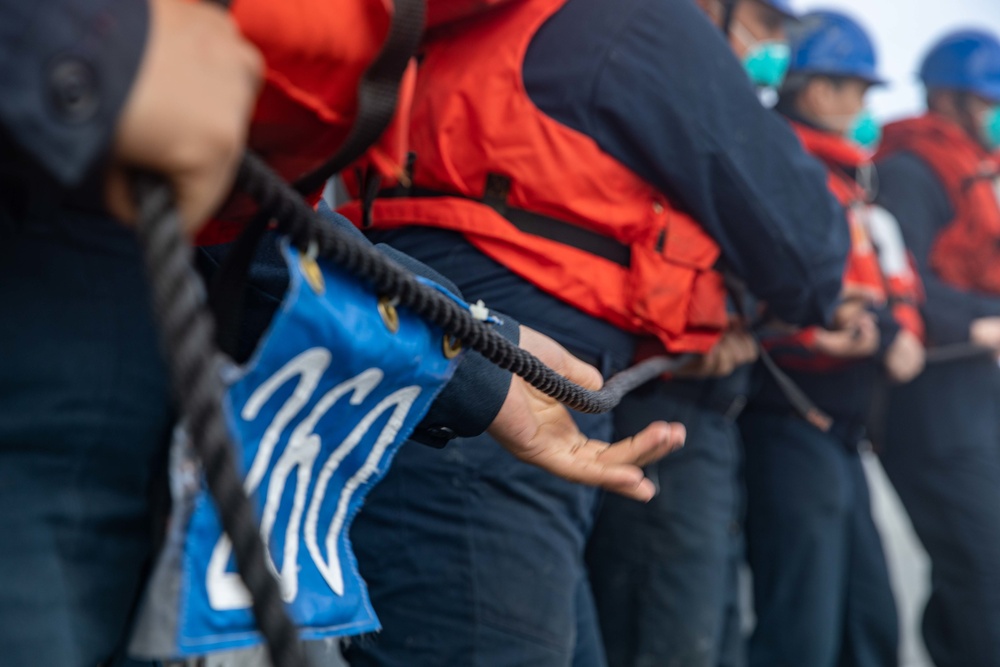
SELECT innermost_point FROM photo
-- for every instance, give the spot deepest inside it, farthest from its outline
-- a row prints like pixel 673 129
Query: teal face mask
pixel 865 130
pixel 767 63
pixel 991 128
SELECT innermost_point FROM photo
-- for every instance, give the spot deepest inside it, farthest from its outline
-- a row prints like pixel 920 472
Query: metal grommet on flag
pixel 451 347
pixel 390 317
pixel 311 270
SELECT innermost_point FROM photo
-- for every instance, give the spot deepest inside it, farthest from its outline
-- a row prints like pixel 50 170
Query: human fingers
pixel 188 112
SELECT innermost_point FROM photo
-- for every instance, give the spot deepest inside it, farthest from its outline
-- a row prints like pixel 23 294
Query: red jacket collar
pixel 831 148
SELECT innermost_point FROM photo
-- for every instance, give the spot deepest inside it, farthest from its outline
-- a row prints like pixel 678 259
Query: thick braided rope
pixel 305 227
pixel 187 332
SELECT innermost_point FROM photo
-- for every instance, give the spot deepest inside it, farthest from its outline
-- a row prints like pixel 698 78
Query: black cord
pixel 957 352
pixel 187 332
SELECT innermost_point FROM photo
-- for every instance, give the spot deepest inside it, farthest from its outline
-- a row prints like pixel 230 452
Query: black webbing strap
pixel 800 401
pixel 958 352
pixel 228 289
pixel 797 398
pixel 529 222
pixel 378 92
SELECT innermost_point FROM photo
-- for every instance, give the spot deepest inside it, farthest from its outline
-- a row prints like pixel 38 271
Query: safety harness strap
pixel 495 196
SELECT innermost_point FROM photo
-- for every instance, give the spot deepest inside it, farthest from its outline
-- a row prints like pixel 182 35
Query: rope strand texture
pixel 187 333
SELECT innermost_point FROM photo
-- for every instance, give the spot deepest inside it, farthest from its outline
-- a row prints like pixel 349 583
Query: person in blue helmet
pixel 822 594
pixel 665 574
pixel 938 180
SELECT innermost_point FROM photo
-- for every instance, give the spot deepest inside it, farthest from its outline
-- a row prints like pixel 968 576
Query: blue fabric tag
pixel 320 410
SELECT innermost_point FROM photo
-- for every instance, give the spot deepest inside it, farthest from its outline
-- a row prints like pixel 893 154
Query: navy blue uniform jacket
pixel 656 85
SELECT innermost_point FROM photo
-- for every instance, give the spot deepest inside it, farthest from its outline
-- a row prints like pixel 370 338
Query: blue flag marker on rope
pixel 336 385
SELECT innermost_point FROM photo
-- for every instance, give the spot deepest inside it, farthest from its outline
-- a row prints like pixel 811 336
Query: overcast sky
pixel 903 29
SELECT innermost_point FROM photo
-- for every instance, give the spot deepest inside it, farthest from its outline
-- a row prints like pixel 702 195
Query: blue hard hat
pixel 967 61
pixel 832 43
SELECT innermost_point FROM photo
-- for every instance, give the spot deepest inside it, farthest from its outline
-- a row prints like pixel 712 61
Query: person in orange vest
pixel 652 564
pixel 92 92
pixel 566 170
pixel 822 594
pixel 938 178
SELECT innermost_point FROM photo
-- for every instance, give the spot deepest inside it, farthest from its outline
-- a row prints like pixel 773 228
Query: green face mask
pixel 767 63
pixel 991 128
pixel 865 130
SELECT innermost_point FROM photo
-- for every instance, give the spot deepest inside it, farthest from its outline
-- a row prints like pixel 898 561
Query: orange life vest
pixel 473 123
pixel 863 277
pixel 315 52
pixel 967 253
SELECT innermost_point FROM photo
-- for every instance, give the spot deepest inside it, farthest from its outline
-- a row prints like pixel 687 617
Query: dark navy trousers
pixel 84 422
pixel 472 557
pixel 942 453
pixel 475 558
pixel 665 574
pixel 822 594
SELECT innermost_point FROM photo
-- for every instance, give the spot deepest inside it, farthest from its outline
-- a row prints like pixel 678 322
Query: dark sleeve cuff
pixel 67 68
pixel 472 399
